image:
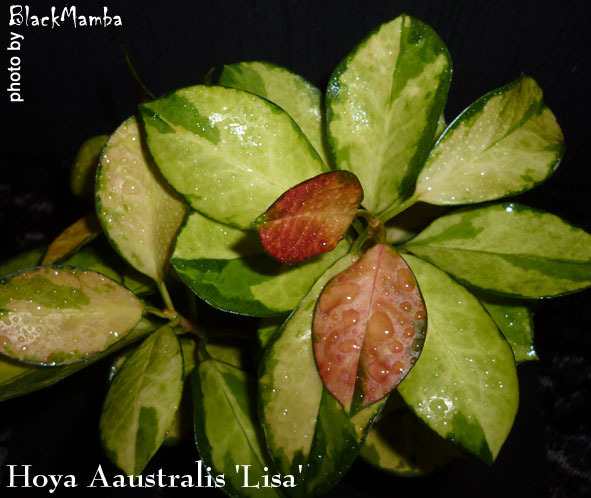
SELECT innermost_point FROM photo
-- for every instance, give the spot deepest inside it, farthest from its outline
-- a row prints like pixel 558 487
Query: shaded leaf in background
pixel 296 96
pixel 384 102
pixel 369 327
pixel 62 315
pixel 72 239
pixel 508 249
pixel 142 402
pixel 227 152
pixel 83 172
pixel 27 259
pixel 139 212
pixel 506 142
pixel 310 218
pixel 228 268
pixel 464 385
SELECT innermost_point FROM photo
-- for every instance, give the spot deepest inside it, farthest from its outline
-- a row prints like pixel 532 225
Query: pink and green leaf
pixel 369 327
pixel 310 218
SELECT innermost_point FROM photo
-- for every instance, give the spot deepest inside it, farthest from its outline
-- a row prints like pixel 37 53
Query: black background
pixel 75 85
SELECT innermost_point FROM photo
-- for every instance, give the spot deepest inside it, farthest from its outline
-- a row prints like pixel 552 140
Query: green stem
pixel 166 296
pixel 157 312
pixel 390 213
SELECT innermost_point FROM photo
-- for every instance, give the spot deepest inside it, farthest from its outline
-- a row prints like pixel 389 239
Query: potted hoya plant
pixel 375 245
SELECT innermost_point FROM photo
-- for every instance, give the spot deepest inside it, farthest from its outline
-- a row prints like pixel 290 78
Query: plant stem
pixel 165 296
pixel 156 311
pixel 390 213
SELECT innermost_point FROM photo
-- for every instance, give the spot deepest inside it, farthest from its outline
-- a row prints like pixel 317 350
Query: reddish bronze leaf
pixel 369 327
pixel 310 218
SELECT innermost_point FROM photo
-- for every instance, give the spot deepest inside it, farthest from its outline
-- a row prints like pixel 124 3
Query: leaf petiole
pixel 390 213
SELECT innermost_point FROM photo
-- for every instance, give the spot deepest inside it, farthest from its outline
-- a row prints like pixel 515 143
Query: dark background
pixel 75 85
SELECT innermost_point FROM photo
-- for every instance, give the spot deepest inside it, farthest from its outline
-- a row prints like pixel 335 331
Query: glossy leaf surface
pixel 139 212
pixel 61 315
pixel 515 321
pixel 401 444
pixel 303 424
pixel 296 96
pixel 228 268
pixel 506 142
pixel 508 249
pixel 310 218
pixel 227 152
pixel 226 429
pixel 72 239
pixel 17 379
pixel 369 327
pixel 384 101
pixel 83 170
pixel 464 386
pixel 142 402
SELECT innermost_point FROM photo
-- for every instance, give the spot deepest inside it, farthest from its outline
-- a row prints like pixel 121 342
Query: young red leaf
pixel 369 327
pixel 310 218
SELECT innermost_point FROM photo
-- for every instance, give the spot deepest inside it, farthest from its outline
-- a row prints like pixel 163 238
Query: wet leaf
pixel 383 102
pixel 139 212
pixel 310 218
pixel 303 424
pixel 17 379
pixel 369 327
pixel 142 402
pixel 229 269
pixel 60 315
pixel 508 249
pixel 464 386
pixel 72 239
pixel 296 96
pixel 506 142
pixel 84 167
pixel 227 152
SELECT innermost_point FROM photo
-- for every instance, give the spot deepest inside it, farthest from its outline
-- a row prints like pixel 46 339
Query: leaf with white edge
pixel 310 218
pixel 228 268
pixel 506 142
pixel 139 212
pixel 72 239
pixel 402 444
pixel 53 315
pixel 296 96
pixel 515 321
pixel 227 432
pixel 508 249
pixel 227 152
pixel 17 379
pixel 303 424
pixel 384 102
pixel 464 386
pixel 369 328
pixel 83 170
pixel 27 259
pixel 142 402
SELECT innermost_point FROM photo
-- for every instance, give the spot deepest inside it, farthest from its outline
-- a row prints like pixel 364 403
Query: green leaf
pixel 506 142
pixel 296 96
pixel 401 444
pixel 228 268
pixel 464 385
pixel 303 424
pixel 384 101
pixel 27 259
pixel 53 315
pixel 267 328
pixel 229 153
pixel 508 249
pixel 139 213
pixel 369 328
pixel 226 429
pixel 83 170
pixel 72 239
pixel 142 402
pixel 515 321
pixel 17 379
pixel 310 218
